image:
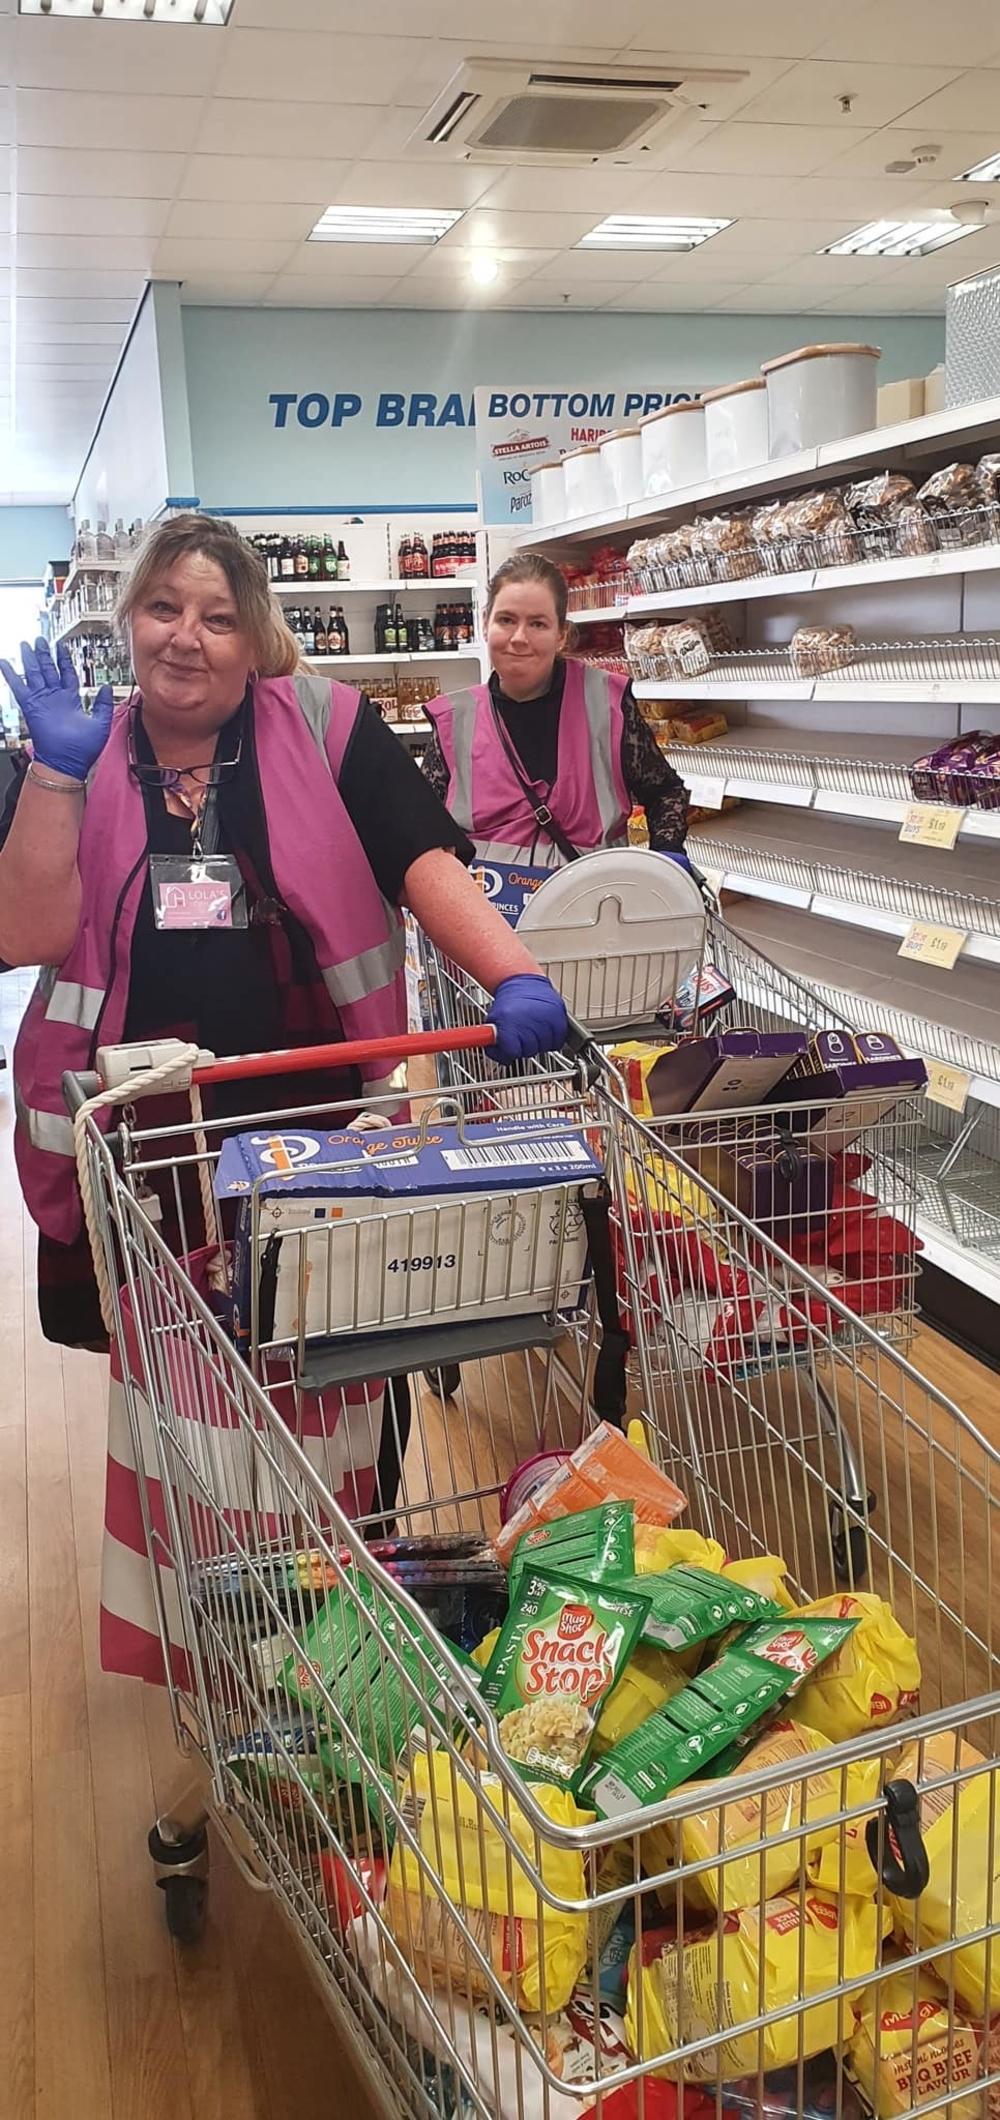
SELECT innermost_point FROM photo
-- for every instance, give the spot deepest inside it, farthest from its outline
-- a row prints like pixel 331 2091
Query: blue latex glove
pixel 63 734
pixel 529 1017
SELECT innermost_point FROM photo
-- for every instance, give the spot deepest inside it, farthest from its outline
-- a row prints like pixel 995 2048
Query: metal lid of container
pixel 665 411
pixel 816 353
pixel 753 382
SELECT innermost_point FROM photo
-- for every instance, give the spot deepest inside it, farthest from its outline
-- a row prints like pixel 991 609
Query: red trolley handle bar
pixel 353 1053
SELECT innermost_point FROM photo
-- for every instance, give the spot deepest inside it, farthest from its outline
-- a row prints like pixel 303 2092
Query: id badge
pixel 205 891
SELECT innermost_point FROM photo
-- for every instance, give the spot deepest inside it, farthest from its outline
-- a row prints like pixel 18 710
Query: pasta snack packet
pixel 536 1952
pixel 908 2047
pixel 758 1961
pixel 873 1679
pixel 811 1805
pixel 799 1645
pixel 690 1605
pixel 957 1823
pixel 598 1544
pixel 682 1738
pixel 561 1651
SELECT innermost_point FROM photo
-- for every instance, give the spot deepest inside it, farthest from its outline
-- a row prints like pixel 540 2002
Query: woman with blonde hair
pixel 286 789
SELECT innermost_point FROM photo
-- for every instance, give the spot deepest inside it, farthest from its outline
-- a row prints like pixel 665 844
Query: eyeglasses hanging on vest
pixel 548 759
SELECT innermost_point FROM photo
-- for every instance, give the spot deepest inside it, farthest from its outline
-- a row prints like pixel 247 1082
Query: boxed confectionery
pixel 729 1069
pixel 863 1070
pixel 360 1231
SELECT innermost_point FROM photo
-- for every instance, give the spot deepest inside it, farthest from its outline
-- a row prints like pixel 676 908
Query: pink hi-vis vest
pixel 588 798
pixel 322 876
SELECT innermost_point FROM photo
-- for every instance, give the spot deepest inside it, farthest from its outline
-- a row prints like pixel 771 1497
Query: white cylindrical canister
pixel 673 448
pixel 548 491
pixel 818 394
pixel 585 491
pixel 621 455
pixel 736 426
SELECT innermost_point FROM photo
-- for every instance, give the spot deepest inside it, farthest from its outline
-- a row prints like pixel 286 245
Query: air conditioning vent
pixel 508 111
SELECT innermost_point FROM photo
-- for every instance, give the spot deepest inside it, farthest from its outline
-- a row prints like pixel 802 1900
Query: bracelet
pixel 54 787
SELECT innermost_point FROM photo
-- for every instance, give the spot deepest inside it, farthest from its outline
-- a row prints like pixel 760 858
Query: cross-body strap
pixel 539 809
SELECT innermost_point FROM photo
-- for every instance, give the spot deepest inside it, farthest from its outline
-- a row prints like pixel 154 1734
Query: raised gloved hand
pixel 64 734
pixel 529 1017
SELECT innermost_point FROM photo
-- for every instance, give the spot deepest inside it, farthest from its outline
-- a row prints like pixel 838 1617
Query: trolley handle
pixel 354 1052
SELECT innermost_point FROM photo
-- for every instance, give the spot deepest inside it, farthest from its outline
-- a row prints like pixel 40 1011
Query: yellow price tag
pixel 948 1085
pixel 932 945
pixel 930 824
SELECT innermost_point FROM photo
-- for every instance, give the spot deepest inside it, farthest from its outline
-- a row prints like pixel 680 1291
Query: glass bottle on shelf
pixel 287 560
pixel 329 569
pixel 343 563
pixel 320 633
pixel 315 559
pixel 345 638
pixel 301 560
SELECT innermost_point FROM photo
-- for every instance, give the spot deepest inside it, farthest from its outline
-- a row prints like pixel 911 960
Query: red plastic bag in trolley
pixel 195 1414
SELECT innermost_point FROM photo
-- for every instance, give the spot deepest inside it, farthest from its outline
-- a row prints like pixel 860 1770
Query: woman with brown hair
pixel 221 860
pixel 548 759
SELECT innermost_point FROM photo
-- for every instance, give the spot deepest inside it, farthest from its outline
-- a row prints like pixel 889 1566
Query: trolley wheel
pixel 444 1381
pixel 849 1545
pixel 185 1903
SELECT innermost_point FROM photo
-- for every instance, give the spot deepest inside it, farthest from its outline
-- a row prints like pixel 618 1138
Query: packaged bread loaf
pixel 816 650
pixel 726 542
pixel 889 519
pixel 820 529
pixel 954 499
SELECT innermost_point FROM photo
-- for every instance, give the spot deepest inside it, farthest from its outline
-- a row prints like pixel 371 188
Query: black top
pixel 533 728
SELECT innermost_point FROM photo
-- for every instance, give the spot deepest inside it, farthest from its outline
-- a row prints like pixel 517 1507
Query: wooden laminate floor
pixel 100 2015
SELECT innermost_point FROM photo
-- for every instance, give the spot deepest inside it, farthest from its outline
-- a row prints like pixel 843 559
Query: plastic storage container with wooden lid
pixel 735 426
pixel 819 393
pixel 673 448
pixel 586 493
pixel 621 455
pixel 548 491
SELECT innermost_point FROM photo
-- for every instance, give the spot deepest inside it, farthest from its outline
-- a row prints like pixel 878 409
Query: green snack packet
pixel 689 1605
pixel 676 1745
pixel 796 1646
pixel 596 1544
pixel 562 1647
pixel 343 1647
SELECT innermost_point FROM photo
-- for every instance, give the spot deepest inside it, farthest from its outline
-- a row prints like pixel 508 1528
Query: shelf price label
pixel 707 794
pixel 948 1085
pixel 930 824
pixel 932 945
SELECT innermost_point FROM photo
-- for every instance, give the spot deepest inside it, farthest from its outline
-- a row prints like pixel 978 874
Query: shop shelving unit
pixel 812 862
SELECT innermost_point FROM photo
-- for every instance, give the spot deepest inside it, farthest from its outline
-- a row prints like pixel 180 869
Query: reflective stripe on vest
pixel 358 976
pixel 69 1002
pixel 597 700
pixel 465 706
pixel 50 1131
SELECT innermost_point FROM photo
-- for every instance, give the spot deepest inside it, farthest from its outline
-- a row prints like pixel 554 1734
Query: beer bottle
pixel 313 557
pixel 343 563
pixel 308 635
pixel 345 638
pixel 320 635
pixel 287 560
pixel 329 561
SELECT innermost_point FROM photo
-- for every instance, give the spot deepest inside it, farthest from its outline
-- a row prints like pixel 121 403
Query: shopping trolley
pixel 460 1917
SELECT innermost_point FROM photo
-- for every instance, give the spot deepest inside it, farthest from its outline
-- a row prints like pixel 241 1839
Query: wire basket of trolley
pixel 693 1828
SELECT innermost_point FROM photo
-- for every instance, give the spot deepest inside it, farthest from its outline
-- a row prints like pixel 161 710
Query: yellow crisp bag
pixel 483 1650
pixel 656 1551
pixel 907 2048
pixel 963 1891
pixel 650 1677
pixel 680 1992
pixel 492 1894
pixel 811 1806
pixel 872 1679
pixel 766 1574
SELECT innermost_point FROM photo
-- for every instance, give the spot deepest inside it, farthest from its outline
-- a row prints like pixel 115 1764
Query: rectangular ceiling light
pixel 987 172
pixel 216 12
pixel 651 231
pixel 384 224
pixel 897 239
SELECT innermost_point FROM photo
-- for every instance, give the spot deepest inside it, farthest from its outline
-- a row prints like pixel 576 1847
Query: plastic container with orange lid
pixel 819 393
pixel 548 491
pixel 621 456
pixel 586 492
pixel 673 448
pixel 736 426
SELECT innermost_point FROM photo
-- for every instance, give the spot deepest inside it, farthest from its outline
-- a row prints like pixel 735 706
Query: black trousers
pixel 397 1419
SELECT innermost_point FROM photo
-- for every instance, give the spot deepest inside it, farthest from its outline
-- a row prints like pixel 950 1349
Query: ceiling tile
pixel 577 268
pixel 72 309
pixel 762 301
pixel 773 198
pixel 269 128
pixel 298 291
pixel 784 29
pixel 56 118
pixel 925 31
pixel 330 262
pixel 527 190
pixel 442 264
pixel 958 151
pixel 885 300
pixel 829 275
pixel 768 150
pixel 45 214
pixel 318 68
pixel 112 253
pixel 777 239
pixel 226 289
pixel 87 55
pixel 176 258
pixel 261 218
pixel 810 93
pixel 970 103
pixel 418 182
pixel 283 181
pixel 530 231
pixel 97 171
pixel 87 285
pixel 660 297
